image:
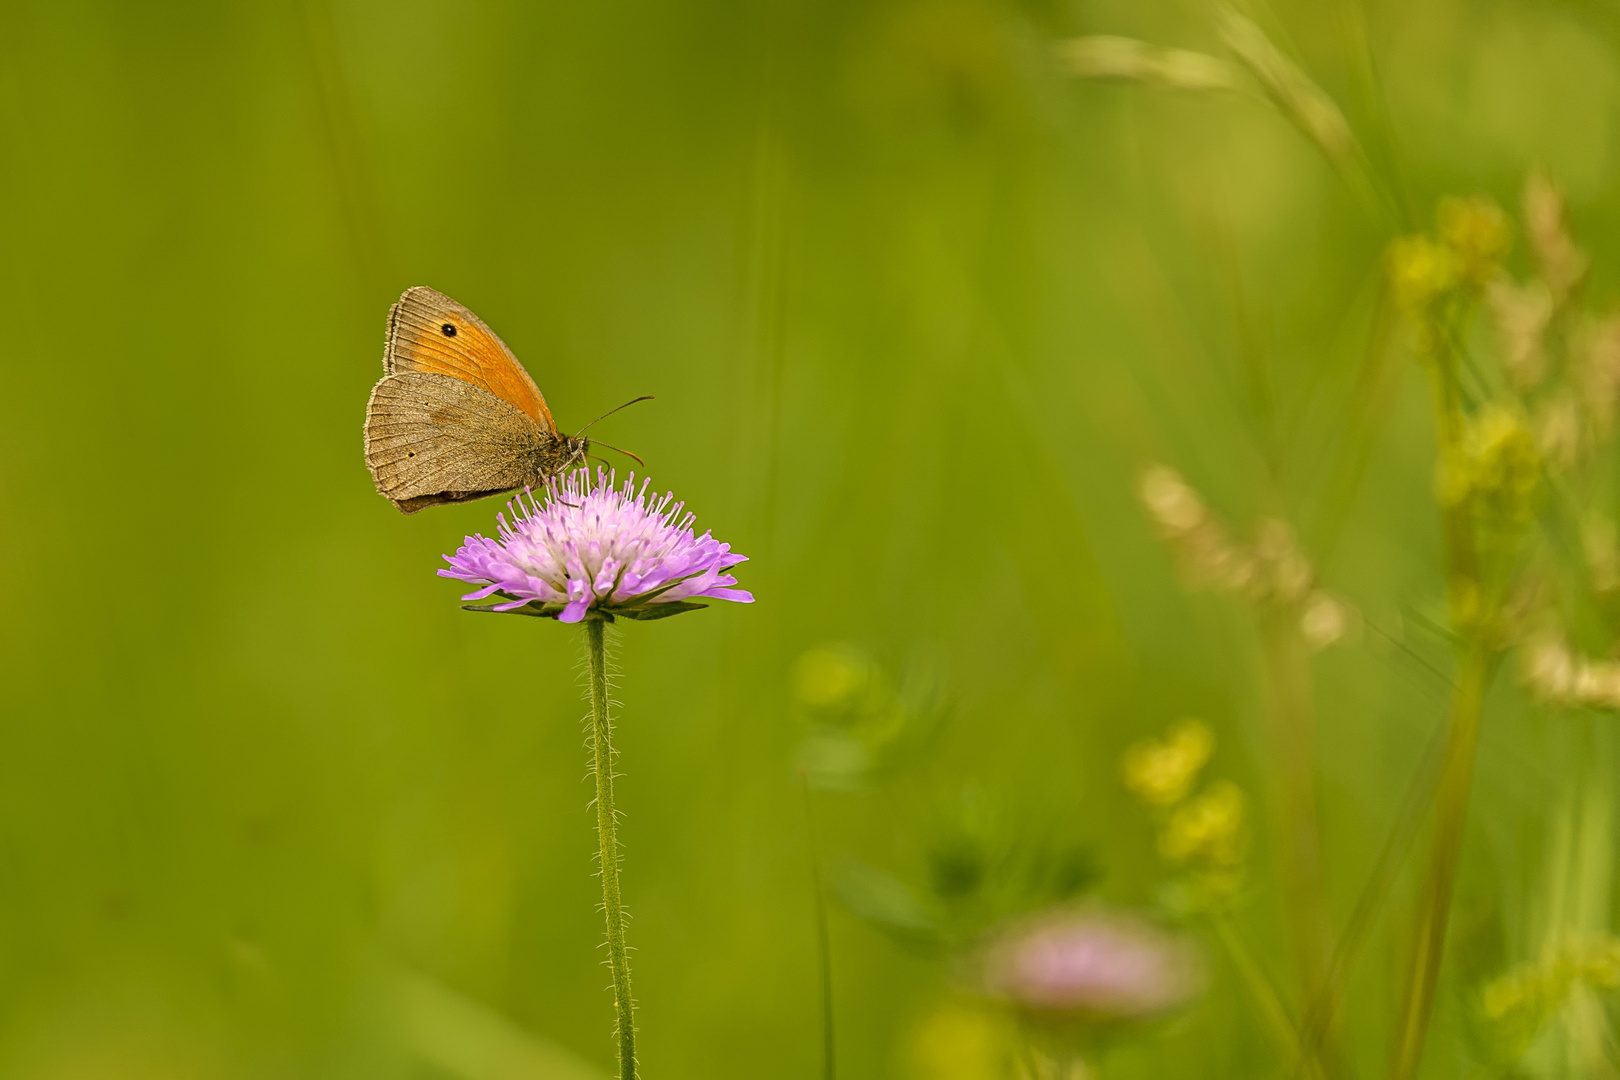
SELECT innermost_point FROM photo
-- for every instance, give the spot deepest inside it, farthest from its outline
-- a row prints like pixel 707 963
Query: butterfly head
pixel 566 452
pixel 576 448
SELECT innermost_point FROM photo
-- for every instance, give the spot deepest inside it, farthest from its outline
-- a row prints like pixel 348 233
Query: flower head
pixel 591 545
pixel 1209 829
pixel 1478 234
pixel 1420 271
pixel 1160 772
pixel 1092 964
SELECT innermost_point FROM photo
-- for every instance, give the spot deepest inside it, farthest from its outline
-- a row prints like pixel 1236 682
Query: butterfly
pixel 456 417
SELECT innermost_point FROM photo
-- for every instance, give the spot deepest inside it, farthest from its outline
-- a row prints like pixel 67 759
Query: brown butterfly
pixel 456 417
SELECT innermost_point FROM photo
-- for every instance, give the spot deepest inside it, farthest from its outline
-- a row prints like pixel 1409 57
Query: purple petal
pixel 742 596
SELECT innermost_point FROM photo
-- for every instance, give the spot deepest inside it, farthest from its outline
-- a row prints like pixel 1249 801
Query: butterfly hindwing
pixel 435 438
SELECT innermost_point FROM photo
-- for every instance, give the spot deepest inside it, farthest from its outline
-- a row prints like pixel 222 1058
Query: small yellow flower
pixel 1599 964
pixel 1208 829
pixel 831 676
pixel 1496 461
pixel 1477 233
pixel 1507 463
pixel 1160 772
pixel 1420 271
pixel 1518 989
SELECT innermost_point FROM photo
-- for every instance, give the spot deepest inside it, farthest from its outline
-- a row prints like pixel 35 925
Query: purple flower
pixel 595 546
pixel 1091 964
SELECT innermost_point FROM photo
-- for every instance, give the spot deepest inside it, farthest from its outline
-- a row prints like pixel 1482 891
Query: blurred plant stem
pixel 1465 594
pixel 1369 101
pixel 1297 835
pixel 1319 1017
pixel 607 827
pixel 1439 878
pixel 1577 884
pixel 829 1042
pixel 1309 108
pixel 1266 999
pixel 1039 1066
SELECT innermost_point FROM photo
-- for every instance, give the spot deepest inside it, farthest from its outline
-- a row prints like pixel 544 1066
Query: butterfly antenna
pixel 610 412
pixel 616 450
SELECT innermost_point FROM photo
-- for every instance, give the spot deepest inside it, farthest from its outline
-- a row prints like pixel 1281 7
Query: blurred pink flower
pixel 1091 963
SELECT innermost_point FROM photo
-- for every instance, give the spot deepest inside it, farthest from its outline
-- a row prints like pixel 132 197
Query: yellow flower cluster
pixel 1207 829
pixel 832 677
pixel 1160 772
pixel 1477 234
pixel 1420 271
pixel 1206 832
pixel 1472 236
pixel 853 712
pixel 1534 991
pixel 1495 461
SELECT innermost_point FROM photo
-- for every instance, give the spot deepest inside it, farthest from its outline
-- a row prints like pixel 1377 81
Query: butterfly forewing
pixel 429 332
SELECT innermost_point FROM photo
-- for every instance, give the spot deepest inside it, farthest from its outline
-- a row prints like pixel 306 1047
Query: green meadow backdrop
pixel 917 304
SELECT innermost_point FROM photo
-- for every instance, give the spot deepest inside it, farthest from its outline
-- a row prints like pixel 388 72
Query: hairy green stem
pixel 607 828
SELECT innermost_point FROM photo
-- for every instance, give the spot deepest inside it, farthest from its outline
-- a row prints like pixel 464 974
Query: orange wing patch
pixel 428 331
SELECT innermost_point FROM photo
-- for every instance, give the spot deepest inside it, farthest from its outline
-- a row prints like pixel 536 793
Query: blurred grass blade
pixel 471 1041
pixel 887 903
pixel 1104 56
pixel 1305 103
pixel 1279 1026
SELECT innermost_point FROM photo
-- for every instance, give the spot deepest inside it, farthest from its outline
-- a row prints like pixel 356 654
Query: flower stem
pixel 1466 599
pixel 1439 879
pixel 1266 999
pixel 829 1041
pixel 607 828
pixel 1291 722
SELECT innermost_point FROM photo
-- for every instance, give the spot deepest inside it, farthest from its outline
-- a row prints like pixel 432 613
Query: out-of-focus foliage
pixel 922 287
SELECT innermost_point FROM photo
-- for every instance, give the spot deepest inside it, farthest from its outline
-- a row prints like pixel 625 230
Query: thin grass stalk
pixel 607 829
pixel 1439 879
pixel 1466 596
pixel 1279 1025
pixel 1380 880
pixel 1291 719
pixel 1580 880
pixel 829 1039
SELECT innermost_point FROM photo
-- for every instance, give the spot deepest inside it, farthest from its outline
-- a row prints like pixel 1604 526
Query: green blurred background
pixel 915 306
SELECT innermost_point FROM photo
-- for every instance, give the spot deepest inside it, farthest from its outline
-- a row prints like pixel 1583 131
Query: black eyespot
pixel 449 329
